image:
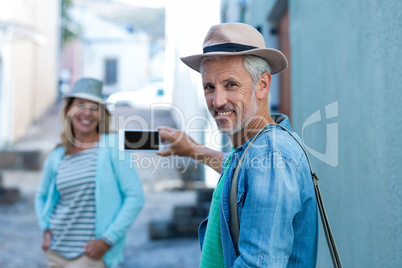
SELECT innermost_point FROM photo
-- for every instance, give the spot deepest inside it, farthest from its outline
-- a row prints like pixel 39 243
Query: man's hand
pixel 47 237
pixel 182 145
pixel 95 249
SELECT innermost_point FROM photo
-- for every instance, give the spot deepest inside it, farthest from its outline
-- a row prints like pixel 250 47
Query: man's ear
pixel 263 86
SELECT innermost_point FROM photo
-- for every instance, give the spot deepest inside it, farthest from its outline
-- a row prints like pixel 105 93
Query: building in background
pixel 187 23
pixel 343 92
pixel 109 52
pixel 255 13
pixel 29 47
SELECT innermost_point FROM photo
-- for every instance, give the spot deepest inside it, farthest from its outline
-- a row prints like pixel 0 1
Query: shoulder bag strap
pixel 234 224
pixel 234 217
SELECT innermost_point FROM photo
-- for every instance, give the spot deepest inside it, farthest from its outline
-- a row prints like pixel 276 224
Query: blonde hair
pixel 67 135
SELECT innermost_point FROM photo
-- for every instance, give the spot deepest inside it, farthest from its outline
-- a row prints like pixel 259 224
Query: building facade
pixel 29 46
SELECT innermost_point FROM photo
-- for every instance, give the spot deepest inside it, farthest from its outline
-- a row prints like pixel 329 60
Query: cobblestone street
pixel 20 235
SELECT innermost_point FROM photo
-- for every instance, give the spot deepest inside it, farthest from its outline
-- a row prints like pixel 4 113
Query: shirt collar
pixel 279 119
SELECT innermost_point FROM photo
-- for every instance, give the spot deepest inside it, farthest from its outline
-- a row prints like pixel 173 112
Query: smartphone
pixel 144 140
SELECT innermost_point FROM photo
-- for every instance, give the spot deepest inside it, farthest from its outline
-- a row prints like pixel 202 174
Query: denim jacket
pixel 276 204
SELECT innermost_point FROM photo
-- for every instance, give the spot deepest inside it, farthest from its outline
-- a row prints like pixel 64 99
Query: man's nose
pixel 220 98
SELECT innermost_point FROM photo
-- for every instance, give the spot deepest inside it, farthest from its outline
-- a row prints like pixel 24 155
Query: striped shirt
pixel 72 222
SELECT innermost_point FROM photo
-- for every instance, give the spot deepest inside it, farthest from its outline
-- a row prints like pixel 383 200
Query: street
pixel 20 235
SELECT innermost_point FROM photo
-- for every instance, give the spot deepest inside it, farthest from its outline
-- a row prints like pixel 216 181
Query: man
pixel 275 194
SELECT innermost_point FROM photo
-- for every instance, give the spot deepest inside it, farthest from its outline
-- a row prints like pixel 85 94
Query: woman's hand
pixel 95 249
pixel 47 237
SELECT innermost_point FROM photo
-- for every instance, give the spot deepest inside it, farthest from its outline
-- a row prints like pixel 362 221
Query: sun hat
pixel 237 39
pixel 88 89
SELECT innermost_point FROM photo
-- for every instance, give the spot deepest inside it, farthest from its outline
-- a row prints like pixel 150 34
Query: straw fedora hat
pixel 88 89
pixel 237 39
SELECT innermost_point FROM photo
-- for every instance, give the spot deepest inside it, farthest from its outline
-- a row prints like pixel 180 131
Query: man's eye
pixel 231 84
pixel 208 87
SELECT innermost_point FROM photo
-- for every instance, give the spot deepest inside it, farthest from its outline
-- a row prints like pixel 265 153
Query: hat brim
pixel 275 58
pixel 85 96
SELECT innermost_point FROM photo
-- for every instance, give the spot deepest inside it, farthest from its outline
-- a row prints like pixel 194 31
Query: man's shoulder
pixel 276 141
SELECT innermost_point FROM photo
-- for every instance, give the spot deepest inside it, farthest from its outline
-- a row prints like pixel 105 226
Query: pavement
pixel 20 236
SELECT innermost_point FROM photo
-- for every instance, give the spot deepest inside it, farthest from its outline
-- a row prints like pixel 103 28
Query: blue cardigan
pixel 118 194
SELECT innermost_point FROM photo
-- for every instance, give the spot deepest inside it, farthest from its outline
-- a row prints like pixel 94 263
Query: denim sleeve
pixel 268 203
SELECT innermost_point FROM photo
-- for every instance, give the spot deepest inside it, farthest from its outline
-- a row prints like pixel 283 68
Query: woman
pixel 89 195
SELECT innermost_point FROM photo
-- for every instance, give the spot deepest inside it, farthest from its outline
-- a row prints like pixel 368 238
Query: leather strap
pixel 234 217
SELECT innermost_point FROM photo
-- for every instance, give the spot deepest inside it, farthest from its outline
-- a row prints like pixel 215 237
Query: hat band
pixel 228 47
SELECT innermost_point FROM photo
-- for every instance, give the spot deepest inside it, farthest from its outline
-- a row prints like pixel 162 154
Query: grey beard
pixel 248 117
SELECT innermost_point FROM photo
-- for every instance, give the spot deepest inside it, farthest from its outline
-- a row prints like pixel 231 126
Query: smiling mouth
pixel 223 113
pixel 85 122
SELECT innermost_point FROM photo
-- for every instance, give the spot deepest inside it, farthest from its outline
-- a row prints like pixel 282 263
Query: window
pixel 110 71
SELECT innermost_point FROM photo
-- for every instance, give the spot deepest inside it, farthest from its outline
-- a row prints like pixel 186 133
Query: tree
pixel 69 28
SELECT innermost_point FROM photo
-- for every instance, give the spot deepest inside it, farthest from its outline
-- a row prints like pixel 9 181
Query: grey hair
pixel 255 66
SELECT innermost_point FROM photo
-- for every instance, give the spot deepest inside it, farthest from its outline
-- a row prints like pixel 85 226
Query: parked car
pixel 143 97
